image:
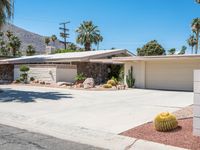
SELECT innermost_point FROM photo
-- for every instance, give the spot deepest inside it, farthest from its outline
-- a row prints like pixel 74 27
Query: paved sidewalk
pixel 17 139
pixel 83 137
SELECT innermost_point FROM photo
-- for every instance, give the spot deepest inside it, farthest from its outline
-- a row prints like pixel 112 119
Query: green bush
pixel 32 78
pixel 24 73
pixel 65 51
pixel 17 81
pixel 107 86
pixel 24 68
pixel 80 77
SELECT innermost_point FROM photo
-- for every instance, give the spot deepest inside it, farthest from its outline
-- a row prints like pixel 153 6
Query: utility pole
pixel 64 32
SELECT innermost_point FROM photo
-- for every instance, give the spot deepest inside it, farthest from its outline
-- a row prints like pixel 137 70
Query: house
pixel 64 66
pixel 171 72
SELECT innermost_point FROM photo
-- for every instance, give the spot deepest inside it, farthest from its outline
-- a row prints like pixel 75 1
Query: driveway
pixel 107 111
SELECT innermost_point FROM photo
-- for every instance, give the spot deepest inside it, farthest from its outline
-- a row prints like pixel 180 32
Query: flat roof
pixel 66 57
pixel 160 57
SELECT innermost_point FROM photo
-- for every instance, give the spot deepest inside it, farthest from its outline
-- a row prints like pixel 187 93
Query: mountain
pixel 30 38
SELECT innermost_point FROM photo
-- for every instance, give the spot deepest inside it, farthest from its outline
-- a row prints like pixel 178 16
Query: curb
pixel 82 135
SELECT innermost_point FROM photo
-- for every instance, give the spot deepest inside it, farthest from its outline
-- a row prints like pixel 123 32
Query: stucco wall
pixel 40 72
pixel 49 73
pixel 196 119
pixel 138 73
pixel 164 74
pixel 66 73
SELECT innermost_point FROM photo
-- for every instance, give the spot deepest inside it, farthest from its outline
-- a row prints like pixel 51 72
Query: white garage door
pixel 171 75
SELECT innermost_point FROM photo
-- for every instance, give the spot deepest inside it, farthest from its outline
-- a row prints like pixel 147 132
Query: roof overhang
pixel 67 57
pixel 156 58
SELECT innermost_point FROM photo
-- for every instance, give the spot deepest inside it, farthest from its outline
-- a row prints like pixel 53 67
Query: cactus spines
pixel 165 122
pixel 129 78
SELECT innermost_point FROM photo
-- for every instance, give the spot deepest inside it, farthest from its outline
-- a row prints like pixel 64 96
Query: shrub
pixel 32 79
pixel 17 81
pixel 115 79
pixel 165 122
pixel 111 82
pixel 107 86
pixel 80 77
pixel 24 73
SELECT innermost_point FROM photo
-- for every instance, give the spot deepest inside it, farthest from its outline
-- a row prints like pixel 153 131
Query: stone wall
pixel 6 73
pixel 98 71
pixel 196 111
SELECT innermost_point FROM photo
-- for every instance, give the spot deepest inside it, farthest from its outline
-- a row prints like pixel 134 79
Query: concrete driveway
pixel 108 111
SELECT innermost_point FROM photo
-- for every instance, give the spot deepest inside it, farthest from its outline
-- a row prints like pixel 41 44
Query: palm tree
pixel 198 1
pixel 53 39
pixel 14 44
pixel 6 11
pixel 47 40
pixel 88 34
pixel 196 29
pixel 30 51
pixel 192 42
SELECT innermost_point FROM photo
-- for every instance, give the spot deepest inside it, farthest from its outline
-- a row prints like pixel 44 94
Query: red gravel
pixel 180 137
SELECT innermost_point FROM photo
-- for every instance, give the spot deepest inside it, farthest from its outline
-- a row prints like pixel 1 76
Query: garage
pixel 171 75
pixel 166 72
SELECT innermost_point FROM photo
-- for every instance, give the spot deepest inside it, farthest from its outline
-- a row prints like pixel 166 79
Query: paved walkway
pixel 17 139
pixel 89 117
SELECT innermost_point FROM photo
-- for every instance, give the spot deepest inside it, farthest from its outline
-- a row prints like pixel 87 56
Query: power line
pixel 64 32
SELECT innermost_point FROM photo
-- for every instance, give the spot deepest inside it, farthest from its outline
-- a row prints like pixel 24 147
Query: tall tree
pixel 53 39
pixel 47 40
pixel 30 51
pixel 88 34
pixel 14 45
pixel 196 29
pixel 172 51
pixel 152 48
pixel 192 42
pixel 183 50
pixel 6 11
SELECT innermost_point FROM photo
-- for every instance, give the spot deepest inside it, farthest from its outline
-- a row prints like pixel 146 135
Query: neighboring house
pixel 174 72
pixel 64 66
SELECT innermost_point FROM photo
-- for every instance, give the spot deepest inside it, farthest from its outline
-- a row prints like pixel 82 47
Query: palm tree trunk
pixel 192 49
pixel 197 45
pixel 87 47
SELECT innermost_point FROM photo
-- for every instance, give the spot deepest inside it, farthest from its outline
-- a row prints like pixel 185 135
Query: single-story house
pixel 171 72
pixel 64 66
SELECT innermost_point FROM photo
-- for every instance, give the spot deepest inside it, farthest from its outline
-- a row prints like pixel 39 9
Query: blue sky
pixel 123 23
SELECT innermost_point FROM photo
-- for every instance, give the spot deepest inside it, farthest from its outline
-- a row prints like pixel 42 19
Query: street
pixel 17 139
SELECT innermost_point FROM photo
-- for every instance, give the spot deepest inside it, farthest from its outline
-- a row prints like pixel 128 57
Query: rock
pixel 64 83
pixel 42 82
pixel 89 83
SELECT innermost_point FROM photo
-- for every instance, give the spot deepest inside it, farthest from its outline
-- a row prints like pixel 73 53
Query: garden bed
pixel 96 88
pixel 180 137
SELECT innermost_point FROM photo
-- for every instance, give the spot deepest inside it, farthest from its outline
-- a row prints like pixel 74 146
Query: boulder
pixel 88 83
pixel 64 83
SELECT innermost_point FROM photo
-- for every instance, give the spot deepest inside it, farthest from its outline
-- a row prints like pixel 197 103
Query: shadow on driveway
pixel 9 95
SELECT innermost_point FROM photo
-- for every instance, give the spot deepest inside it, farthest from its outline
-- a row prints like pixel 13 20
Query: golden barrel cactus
pixel 112 82
pixel 165 122
pixel 107 86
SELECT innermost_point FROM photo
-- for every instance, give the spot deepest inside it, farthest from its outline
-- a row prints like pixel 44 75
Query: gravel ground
pixel 181 137
pixel 186 112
